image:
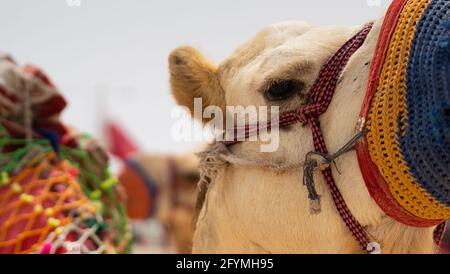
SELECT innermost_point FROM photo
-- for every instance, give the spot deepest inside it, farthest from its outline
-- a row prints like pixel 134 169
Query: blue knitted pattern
pixel 425 144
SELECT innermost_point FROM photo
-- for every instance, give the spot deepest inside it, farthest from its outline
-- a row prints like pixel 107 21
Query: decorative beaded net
pixel 57 194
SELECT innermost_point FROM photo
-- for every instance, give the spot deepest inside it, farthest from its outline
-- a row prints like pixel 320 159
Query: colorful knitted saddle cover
pixel 405 157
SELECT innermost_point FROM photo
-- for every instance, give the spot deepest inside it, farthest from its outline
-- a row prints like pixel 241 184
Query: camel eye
pixel 282 90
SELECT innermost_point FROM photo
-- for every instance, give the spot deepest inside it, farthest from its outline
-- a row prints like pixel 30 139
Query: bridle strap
pixel 319 99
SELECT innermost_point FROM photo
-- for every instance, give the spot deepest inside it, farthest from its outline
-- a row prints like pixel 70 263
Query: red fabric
pixel 54 105
pixel 45 113
pixel 119 143
pixel 38 73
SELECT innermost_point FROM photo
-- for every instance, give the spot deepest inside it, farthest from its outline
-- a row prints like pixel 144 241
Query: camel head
pixel 277 67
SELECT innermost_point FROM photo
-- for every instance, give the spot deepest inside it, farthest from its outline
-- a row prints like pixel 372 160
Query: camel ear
pixel 193 76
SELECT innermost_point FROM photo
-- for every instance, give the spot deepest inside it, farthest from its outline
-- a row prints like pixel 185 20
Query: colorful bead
pixel 95 195
pixel 38 209
pixel 73 172
pixel 109 183
pixel 16 188
pixel 49 211
pixel 4 178
pixel 27 198
pixel 46 248
pixel 53 222
pixel 58 231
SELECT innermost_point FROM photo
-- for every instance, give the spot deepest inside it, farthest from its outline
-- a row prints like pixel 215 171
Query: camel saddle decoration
pixel 57 194
pixel 405 156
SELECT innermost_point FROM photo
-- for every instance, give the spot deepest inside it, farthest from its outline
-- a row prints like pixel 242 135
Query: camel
pixel 175 189
pixel 256 209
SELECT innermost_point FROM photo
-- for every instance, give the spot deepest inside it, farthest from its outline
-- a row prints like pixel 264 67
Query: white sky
pixel 109 57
